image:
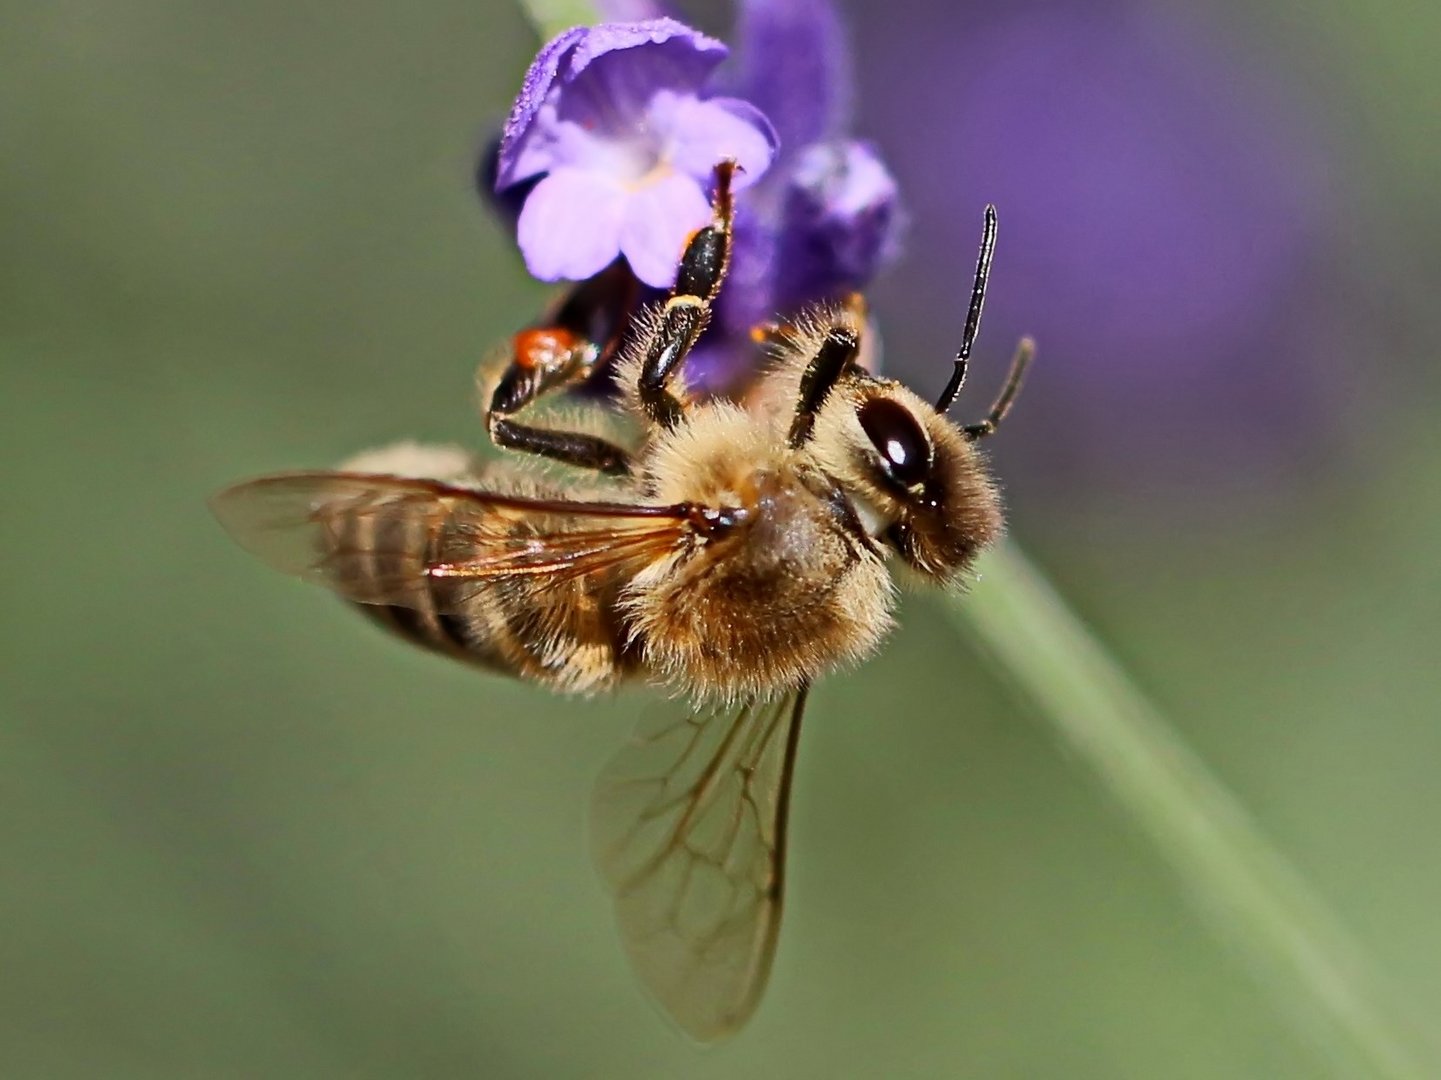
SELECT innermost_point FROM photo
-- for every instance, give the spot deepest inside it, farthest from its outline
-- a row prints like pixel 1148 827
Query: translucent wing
pixel 689 825
pixel 387 540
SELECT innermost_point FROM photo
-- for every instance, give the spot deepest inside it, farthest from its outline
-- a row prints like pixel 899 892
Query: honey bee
pixel 738 551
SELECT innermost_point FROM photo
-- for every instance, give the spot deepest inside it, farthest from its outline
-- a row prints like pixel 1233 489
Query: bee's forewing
pixel 688 829
pixel 323 526
pixel 384 539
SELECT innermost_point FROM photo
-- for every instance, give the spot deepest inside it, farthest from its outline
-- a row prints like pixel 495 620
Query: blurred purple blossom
pixel 1165 212
pixel 615 123
pixel 840 223
pixel 828 217
pixel 793 60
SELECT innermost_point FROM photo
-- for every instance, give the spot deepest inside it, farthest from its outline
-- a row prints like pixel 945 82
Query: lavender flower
pixel 616 122
pixel 610 145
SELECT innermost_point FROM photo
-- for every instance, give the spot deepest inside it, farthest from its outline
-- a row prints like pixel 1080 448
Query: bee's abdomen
pixel 442 633
pixel 563 634
pixel 392 550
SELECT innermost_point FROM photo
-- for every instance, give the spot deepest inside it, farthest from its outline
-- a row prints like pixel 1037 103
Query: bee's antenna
pixel 973 316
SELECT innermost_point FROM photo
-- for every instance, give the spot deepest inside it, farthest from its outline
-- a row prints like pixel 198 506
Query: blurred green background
pixel 246 835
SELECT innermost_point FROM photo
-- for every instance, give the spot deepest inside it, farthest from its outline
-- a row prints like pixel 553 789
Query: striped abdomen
pixel 561 632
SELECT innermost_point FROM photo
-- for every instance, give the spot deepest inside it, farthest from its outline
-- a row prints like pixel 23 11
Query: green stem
pixel 1243 886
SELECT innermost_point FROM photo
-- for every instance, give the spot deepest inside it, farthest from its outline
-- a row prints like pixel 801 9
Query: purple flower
pixel 838 225
pixel 827 218
pixel 610 147
pixel 615 124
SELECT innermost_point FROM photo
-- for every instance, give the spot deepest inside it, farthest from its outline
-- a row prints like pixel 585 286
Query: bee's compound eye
pixel 898 438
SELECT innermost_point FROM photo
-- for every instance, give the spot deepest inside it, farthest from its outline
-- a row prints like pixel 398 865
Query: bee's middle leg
pixel 578 336
pixel 542 361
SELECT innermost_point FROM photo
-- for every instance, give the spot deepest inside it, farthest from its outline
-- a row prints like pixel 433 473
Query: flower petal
pixel 659 220
pixel 795 66
pixel 700 133
pixel 695 53
pixel 508 203
pixel 539 78
pixel 579 77
pixel 570 227
pixel 609 91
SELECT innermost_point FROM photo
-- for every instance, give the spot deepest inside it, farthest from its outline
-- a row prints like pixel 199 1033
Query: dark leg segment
pixel 698 281
pixel 561 354
pixel 571 447
pixel 682 321
pixel 1025 352
pixel 837 353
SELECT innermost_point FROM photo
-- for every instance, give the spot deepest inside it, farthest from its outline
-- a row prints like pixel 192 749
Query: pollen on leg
pixel 545 347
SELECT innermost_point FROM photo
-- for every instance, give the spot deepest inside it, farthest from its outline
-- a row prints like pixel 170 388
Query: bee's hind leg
pixel 701 271
pixel 561 353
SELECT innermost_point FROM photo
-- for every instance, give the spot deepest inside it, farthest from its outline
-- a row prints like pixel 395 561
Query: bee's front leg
pixel 698 282
pixel 836 353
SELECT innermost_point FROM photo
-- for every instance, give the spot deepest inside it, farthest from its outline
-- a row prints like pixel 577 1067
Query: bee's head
pixel 918 483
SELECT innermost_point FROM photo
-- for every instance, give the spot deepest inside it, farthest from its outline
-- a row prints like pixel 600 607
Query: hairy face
pixel 920 486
